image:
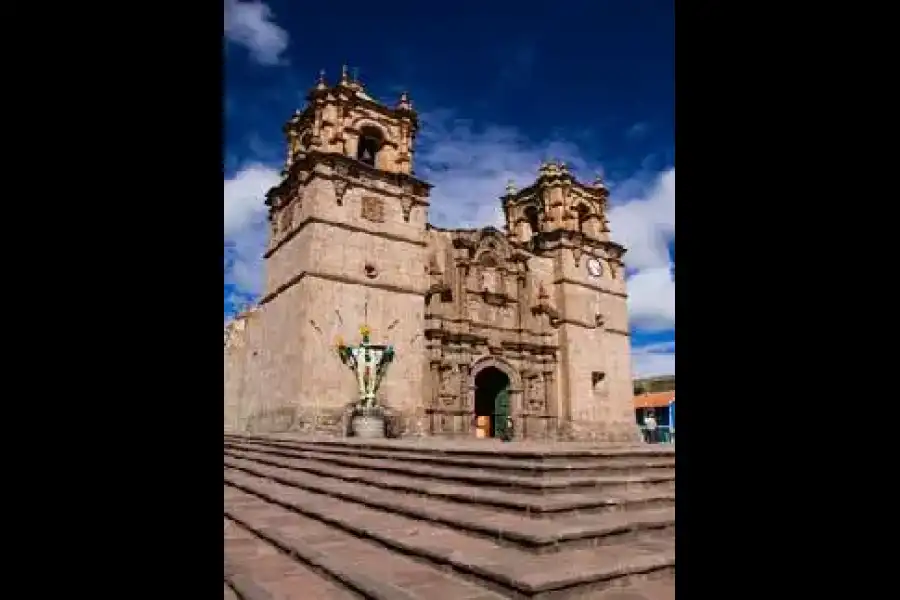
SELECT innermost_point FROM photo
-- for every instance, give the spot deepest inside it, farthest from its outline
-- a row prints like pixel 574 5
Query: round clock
pixel 594 267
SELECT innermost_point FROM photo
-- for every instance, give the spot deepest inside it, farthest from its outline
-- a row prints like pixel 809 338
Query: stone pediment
pixel 487 247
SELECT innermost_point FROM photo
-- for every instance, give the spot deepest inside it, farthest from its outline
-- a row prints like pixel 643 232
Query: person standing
pixel 650 426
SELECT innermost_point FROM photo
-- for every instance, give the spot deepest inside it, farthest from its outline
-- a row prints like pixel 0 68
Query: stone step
pixel 359 568
pixel 257 570
pixel 528 466
pixel 533 485
pixel 534 535
pixel 647 588
pixel 266 506
pixel 585 501
pixel 527 450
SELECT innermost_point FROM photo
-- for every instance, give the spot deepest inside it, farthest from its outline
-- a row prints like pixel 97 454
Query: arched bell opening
pixel 371 141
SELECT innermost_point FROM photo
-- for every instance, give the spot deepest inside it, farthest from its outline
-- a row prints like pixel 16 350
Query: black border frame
pixel 760 353
pixel 124 166
pixel 113 337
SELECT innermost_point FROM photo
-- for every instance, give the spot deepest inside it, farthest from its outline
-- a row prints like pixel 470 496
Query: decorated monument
pixel 369 363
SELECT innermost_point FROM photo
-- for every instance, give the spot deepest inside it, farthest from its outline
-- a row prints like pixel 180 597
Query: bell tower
pixel 563 220
pixel 346 248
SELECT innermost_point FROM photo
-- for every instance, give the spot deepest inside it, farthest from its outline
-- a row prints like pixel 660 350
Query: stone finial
pixel 355 82
pixel 510 187
pixel 404 102
pixel 345 74
pixel 321 84
pixel 544 169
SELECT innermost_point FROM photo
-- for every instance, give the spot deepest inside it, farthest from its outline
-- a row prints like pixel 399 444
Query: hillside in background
pixel 648 385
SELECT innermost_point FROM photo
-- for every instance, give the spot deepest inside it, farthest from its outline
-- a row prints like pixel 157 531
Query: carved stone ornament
pixel 613 268
pixel 340 188
pixel 372 209
pixel 449 381
pixel 406 206
pixel 576 254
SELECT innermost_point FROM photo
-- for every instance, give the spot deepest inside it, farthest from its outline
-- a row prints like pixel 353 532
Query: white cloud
pixel 470 168
pixel 651 299
pixel 246 229
pixel 244 197
pixel 653 359
pixel 644 222
pixel 251 25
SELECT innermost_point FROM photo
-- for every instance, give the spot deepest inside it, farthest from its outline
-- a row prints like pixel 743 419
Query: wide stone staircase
pixel 318 519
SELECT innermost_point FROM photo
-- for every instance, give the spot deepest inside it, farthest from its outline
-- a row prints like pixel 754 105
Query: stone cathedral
pixel 534 315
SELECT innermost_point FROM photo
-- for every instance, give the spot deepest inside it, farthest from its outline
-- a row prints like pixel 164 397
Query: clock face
pixel 594 267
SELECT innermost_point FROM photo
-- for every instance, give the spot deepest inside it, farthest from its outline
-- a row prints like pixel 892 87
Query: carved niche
pixel 465 400
pixel 449 387
pixel 372 209
pixel 536 393
pixel 448 380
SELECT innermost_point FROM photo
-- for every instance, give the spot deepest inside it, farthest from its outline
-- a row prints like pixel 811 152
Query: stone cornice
pixel 346 227
pixel 357 173
pixel 592 287
pixel 339 279
pixel 479 325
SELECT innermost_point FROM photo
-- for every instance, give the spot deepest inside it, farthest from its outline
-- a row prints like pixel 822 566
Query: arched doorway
pixel 491 402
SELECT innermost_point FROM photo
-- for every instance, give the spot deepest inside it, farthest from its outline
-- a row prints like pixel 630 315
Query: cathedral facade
pixel 529 322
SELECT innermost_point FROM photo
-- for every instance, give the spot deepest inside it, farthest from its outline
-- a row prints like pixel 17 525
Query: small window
pixel 597 378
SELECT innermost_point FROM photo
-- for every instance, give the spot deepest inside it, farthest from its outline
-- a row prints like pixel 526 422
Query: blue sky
pixel 498 89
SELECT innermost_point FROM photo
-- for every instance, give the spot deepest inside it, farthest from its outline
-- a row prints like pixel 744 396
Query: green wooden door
pixel 501 412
